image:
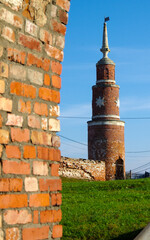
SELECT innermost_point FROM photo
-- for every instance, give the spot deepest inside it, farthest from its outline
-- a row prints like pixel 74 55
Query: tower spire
pixel 105 48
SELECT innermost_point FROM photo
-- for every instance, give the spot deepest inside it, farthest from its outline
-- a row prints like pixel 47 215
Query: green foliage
pixel 114 210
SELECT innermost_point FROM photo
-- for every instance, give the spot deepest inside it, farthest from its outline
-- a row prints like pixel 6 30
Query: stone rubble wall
pixel 82 169
pixel 32 37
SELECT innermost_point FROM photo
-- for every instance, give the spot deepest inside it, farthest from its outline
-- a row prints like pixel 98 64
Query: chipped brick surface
pixel 31 50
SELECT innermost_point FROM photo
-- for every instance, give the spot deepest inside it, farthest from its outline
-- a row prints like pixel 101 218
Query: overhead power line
pixel 124 118
pixel 145 151
pixel 69 139
pixel 72 140
pixel 145 165
pixel 141 170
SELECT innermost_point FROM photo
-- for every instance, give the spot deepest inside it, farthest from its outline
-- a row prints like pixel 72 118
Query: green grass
pixel 115 210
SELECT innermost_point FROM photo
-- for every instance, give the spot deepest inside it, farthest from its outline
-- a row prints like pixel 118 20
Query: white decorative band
pixel 103 81
pixel 111 122
pixel 104 116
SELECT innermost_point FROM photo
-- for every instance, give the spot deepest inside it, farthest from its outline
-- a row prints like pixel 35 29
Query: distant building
pixel 106 131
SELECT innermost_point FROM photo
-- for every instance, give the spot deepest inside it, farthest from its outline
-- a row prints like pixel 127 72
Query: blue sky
pixel 129 42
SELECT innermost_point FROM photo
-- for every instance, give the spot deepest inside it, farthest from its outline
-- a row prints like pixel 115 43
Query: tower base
pixel 106 143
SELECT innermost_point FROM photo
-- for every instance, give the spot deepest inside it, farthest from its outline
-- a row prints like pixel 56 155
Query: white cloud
pixel 78 110
pixel 134 103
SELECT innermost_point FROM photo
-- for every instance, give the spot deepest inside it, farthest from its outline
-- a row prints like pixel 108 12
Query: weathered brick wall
pixel 31 49
pixel 82 169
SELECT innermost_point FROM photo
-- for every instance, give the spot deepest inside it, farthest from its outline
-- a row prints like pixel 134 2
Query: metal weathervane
pixel 106 19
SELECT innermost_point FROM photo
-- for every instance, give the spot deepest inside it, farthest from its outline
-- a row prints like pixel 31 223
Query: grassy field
pixel 115 210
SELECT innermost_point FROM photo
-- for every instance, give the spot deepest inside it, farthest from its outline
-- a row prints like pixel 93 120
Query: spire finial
pixel 105 48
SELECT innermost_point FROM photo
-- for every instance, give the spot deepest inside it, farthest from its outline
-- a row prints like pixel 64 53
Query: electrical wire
pixel 145 165
pixel 141 170
pixel 124 118
pixel 69 139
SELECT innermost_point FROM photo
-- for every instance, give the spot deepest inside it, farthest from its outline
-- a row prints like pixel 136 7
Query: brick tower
pixel 106 131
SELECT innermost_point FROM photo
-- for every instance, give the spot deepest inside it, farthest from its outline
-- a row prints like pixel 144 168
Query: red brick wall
pixel 106 143
pixel 110 94
pixel 105 71
pixel 31 49
pixel 82 169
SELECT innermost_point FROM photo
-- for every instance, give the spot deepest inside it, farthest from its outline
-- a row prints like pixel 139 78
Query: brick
pixel 1 123
pixel 63 16
pixel 16 55
pixel 54 111
pixel 16 167
pixel 65 4
pixel 33 121
pixel 35 217
pixel 31 184
pixel 50 184
pixel 56 141
pixel 45 36
pixel 13 201
pixel 53 11
pixel 17 72
pixel 16 184
pixel 43 63
pixel 41 138
pixel 31 28
pixel 1 51
pixel 40 168
pixel 15 5
pixel 54 124
pixel 11 184
pixel 57 231
pixel 39 200
pixel 1 150
pixel 2 86
pixel 3 70
pixel 13 152
pixel 49 95
pixel 4 136
pixel 35 233
pixel 50 216
pixel 25 7
pixel 29 152
pixel 46 79
pixel 14 120
pixel 21 89
pixel 12 233
pixel 1 234
pixel 56 199
pixel 51 154
pixel 44 123
pixel 17 217
pixel 54 170
pixel 20 135
pixel 35 77
pixel 24 106
pixel 58 27
pixel 5 104
pixel 11 18
pixel 56 67
pixel 56 81
pixel 29 42
pixel 54 52
pixel 60 41
pixel 0 223
pixel 8 34
pixel 41 109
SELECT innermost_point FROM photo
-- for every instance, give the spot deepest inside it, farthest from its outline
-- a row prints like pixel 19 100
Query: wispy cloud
pixel 78 110
pixel 81 66
pixel 134 104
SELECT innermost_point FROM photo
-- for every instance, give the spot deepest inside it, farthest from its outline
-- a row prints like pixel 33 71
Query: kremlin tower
pixel 106 130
